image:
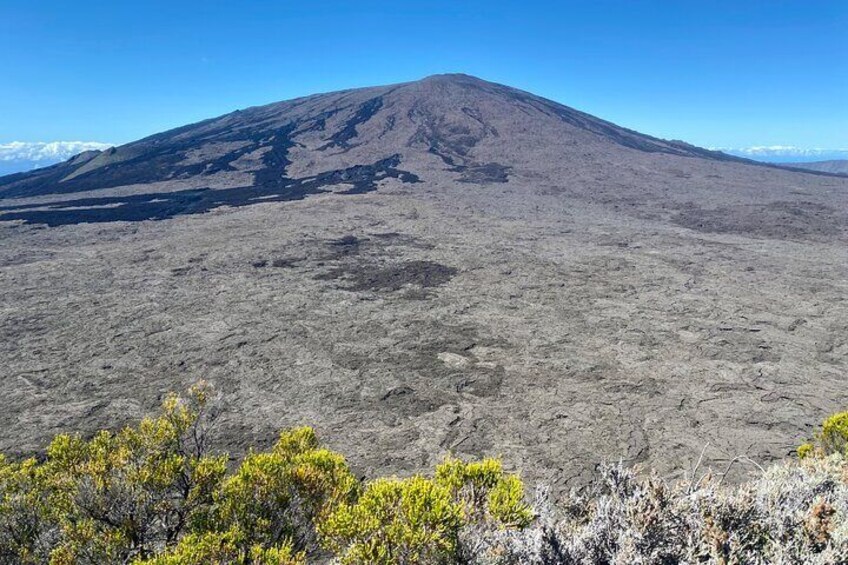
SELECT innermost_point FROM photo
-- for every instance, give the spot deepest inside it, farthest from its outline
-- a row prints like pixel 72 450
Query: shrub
pixel 280 495
pixel 227 548
pixel 154 494
pixel 484 492
pixel 395 521
pixel 26 530
pixel 132 493
pixel 796 512
pixel 806 450
pixel 418 520
pixel 833 437
pixel 154 491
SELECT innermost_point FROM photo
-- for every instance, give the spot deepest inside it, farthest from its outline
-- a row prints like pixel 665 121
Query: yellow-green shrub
pixel 484 491
pixel 153 494
pixel 418 520
pixel 224 548
pixel 832 438
pixel 805 450
pixel 834 433
pixel 279 495
pixel 505 503
pixel 123 495
pixel 26 512
pixel 395 521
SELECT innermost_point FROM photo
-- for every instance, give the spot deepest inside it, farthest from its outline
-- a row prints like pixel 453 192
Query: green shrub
pixel 805 450
pixel 505 503
pixel 124 495
pixel 484 492
pixel 227 548
pixel 26 512
pixel 153 494
pixel 395 521
pixel 831 439
pixel 280 495
pixel 418 520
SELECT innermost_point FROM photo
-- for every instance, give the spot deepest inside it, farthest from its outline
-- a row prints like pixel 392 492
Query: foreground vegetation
pixel 156 494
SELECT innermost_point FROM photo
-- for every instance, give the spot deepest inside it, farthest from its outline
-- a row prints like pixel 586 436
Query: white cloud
pixel 46 152
pixel 785 153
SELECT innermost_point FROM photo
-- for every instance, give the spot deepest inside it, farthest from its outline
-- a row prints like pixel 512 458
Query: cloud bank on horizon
pixel 46 150
pixel 785 153
pixel 18 156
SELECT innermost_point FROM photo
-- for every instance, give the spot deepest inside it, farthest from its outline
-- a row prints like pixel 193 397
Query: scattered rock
pixel 454 360
pixel 284 263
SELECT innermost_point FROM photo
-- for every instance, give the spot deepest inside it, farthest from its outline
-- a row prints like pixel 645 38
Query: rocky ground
pixel 406 327
pixel 614 303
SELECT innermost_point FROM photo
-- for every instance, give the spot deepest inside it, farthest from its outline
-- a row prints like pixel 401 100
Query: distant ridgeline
pixel 347 141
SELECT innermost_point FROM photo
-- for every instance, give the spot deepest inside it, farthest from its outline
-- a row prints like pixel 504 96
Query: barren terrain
pixel 452 270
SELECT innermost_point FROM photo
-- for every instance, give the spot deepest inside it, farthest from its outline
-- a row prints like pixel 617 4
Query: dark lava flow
pixel 164 205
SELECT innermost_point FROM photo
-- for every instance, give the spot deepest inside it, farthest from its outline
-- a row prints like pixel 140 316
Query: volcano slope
pixel 447 265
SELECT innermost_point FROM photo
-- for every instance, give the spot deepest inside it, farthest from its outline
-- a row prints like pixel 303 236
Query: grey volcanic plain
pixel 447 265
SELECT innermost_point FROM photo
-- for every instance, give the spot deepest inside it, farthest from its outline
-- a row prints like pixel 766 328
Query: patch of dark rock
pixel 424 274
pixel 284 263
pixel 269 187
pixel 397 391
pixel 319 122
pixel 797 323
pixel 364 177
pixel 364 113
pixel 389 126
pixel 346 246
pixel 446 159
pixel 400 239
pixel 259 264
pixel 163 158
pixel 453 143
pixel 347 242
pixel 475 114
pixel 159 158
pixel 481 174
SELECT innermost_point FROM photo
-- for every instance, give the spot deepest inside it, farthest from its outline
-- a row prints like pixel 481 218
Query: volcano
pixel 446 265
pixel 447 127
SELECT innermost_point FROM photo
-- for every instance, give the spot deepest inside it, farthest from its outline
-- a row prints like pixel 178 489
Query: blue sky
pixel 714 73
